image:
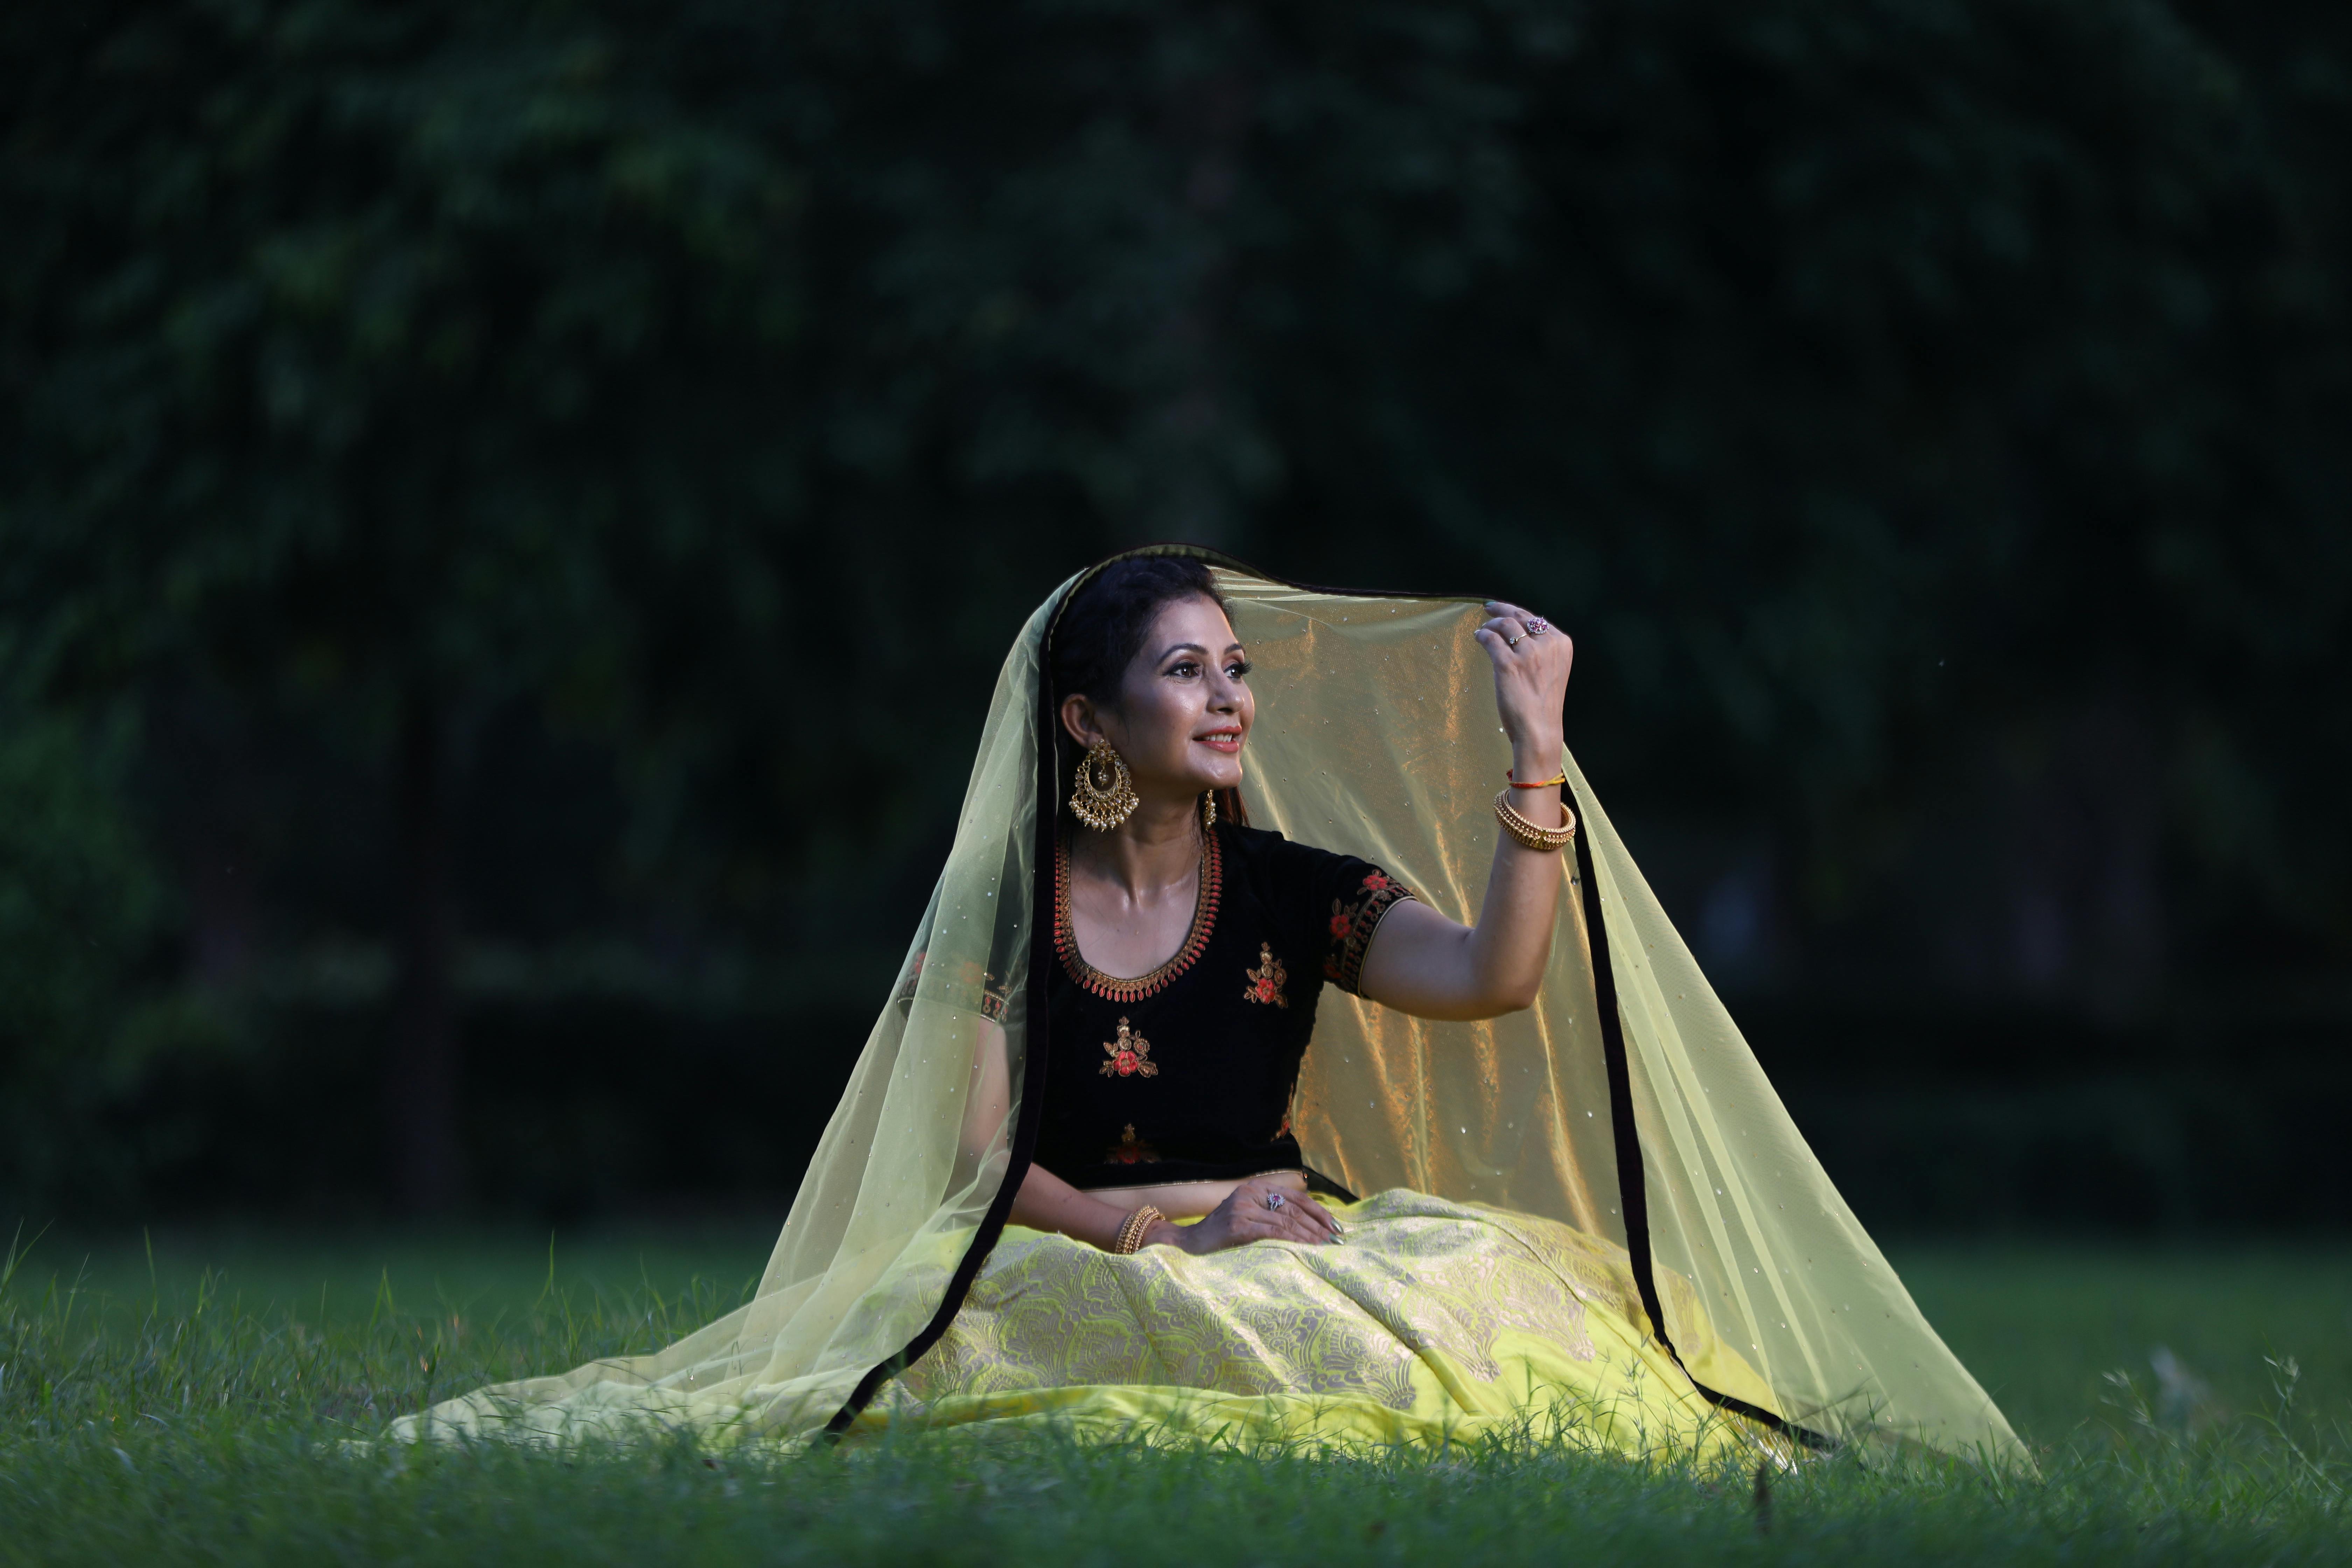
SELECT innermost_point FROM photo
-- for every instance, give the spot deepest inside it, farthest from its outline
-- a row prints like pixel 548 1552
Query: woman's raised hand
pixel 1257 1210
pixel 1531 663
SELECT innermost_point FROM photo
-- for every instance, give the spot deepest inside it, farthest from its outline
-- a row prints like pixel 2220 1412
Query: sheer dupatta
pixel 1625 1102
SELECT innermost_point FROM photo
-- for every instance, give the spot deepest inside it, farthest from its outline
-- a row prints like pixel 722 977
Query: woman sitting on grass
pixel 1074 1179
pixel 1173 1260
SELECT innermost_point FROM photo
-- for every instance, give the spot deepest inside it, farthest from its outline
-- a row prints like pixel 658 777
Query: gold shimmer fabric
pixel 1376 737
pixel 1432 1323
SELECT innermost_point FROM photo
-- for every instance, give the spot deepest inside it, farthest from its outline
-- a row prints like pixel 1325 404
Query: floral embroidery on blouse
pixel 1131 1150
pixel 1353 921
pixel 1130 1055
pixel 1267 980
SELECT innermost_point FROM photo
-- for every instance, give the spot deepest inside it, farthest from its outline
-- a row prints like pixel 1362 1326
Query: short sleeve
pixel 1338 901
pixel 1362 895
pixel 971 987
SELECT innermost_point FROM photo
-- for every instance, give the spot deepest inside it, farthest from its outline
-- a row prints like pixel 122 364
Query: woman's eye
pixel 1238 670
pixel 1185 667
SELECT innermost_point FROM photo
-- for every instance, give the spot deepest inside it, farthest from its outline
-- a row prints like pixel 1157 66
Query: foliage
pixel 78 903
pixel 325 311
pixel 558 477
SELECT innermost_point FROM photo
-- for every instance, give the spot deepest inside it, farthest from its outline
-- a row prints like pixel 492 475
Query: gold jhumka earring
pixel 1104 794
pixel 1209 809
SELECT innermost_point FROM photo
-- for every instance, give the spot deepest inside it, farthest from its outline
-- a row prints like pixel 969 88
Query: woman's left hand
pixel 1256 1210
pixel 1531 661
pixel 1422 963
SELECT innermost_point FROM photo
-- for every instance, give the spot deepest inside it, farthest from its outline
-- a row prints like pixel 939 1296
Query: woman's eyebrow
pixel 1174 648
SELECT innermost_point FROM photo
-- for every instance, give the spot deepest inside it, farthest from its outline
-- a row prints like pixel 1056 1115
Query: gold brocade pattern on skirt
pixel 1432 1320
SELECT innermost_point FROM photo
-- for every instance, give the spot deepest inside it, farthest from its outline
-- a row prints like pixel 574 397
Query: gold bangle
pixel 1528 833
pixel 1131 1235
pixel 1560 778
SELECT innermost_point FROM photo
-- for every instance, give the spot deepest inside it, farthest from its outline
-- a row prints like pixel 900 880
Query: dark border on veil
pixel 1035 1054
pixel 1632 1180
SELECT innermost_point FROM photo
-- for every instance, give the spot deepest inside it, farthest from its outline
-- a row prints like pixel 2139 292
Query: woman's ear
pixel 1078 717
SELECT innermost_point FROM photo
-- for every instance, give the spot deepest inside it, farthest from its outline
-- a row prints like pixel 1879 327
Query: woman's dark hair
pixel 1101 630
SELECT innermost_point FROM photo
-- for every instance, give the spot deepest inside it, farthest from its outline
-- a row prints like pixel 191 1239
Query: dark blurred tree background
pixel 510 514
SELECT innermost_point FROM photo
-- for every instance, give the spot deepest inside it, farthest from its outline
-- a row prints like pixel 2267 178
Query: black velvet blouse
pixel 1185 1073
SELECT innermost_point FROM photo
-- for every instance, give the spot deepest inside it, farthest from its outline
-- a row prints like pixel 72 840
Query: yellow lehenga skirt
pixel 1432 1322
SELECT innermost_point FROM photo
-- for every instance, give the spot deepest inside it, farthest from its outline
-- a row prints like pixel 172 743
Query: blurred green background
pixel 510 514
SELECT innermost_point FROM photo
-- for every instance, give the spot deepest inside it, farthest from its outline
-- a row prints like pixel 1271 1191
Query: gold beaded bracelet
pixel 1528 833
pixel 1131 1235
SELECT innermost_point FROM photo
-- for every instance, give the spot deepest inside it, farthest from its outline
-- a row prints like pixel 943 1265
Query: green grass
pixel 191 1405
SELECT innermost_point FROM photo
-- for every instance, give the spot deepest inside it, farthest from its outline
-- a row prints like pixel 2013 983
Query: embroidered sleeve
pixel 970 987
pixel 1360 896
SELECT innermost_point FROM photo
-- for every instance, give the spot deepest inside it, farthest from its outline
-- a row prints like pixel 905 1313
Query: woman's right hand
pixel 1246 1216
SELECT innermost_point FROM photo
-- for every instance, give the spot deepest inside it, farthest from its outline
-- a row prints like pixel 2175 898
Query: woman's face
pixel 1184 707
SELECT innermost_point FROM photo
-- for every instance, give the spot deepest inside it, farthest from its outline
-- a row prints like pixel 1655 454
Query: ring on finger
pixel 1516 641
pixel 1538 625
pixel 1274 1200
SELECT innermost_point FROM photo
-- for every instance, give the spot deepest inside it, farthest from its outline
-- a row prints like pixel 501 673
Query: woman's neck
pixel 1158 846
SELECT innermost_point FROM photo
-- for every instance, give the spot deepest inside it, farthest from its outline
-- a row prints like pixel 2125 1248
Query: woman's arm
pixel 1046 1202
pixel 1422 963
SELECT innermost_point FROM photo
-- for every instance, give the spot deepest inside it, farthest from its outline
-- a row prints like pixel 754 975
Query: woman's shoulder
pixel 1268 849
pixel 1252 843
pixel 1282 876
pixel 1329 902
pixel 1263 852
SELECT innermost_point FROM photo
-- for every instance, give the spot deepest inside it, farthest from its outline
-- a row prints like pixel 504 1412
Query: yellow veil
pixel 1624 1103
